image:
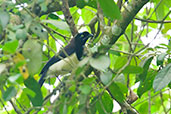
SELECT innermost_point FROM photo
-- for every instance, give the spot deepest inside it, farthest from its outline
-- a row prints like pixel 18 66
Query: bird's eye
pixel 82 35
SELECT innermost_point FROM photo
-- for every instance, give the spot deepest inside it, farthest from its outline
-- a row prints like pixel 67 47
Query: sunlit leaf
pixel 160 9
pixel 167 3
pixel 120 62
pixel 167 27
pixel 58 24
pixel 87 15
pixel 10 46
pixel 110 9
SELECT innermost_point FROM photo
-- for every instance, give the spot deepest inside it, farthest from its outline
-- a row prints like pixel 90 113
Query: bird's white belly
pixel 64 66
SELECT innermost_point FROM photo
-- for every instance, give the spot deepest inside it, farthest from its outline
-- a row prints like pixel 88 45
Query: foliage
pixel 118 65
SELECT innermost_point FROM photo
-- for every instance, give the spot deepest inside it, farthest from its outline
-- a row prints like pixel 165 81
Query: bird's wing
pixel 69 49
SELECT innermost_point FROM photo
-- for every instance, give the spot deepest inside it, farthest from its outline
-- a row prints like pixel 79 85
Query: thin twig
pixel 152 21
pixel 22 106
pixel 15 107
pixel 50 29
pixel 129 42
pixel 162 103
pixel 136 104
pixel 155 9
pixel 127 53
pixel 149 102
pixel 4 106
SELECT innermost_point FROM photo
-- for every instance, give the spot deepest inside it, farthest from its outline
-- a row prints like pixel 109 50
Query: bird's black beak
pixel 88 36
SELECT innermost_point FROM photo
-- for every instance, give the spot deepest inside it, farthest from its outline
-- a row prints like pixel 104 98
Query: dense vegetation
pixel 127 61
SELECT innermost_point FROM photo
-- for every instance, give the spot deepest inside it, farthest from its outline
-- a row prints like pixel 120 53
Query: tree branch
pixel 54 6
pixel 127 16
pixel 68 17
pixel 152 21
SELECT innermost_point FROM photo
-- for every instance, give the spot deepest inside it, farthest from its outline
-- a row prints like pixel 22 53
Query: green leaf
pixel 53 16
pixel 121 79
pixel 31 83
pixel 14 78
pixel 58 24
pixel 9 93
pixel 52 44
pixel 133 70
pixel 110 9
pixel 123 87
pixel 37 29
pixel 145 65
pixel 10 46
pixel 21 34
pixel 167 27
pixel 160 59
pixel 72 88
pixel 89 80
pixel 29 92
pixel 82 99
pixel 107 102
pixel 24 99
pixel 85 89
pixel 1 29
pixel 114 52
pixel 163 78
pixel 143 108
pixel 116 92
pixel 2 68
pixel 82 3
pixel 160 10
pixel 147 83
pixel 4 19
pixel 167 3
pixel 65 109
pixel 106 77
pixel 43 6
pixel 87 14
pixel 101 63
pixel 32 51
pixel 120 62
pixel 99 107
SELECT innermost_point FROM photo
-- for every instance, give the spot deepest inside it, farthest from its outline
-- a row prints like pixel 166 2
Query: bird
pixel 66 58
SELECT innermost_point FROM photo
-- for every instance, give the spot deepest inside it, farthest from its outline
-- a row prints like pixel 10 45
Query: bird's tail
pixel 42 79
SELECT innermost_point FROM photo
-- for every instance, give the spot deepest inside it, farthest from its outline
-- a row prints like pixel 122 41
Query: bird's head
pixel 82 37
